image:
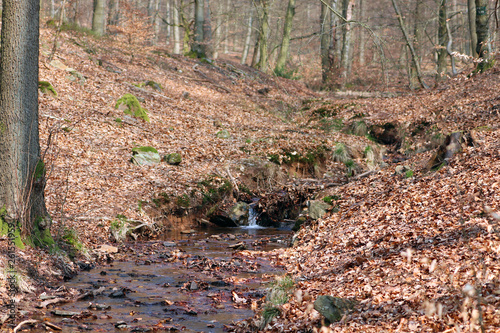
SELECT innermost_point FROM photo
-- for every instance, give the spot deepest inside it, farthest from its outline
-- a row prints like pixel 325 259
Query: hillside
pixel 404 241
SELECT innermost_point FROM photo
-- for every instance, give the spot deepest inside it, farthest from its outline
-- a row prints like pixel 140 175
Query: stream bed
pixel 197 282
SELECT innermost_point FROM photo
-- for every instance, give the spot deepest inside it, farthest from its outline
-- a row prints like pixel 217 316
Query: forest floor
pixel 417 249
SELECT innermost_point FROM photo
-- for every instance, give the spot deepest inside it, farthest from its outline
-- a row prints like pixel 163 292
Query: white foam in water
pixel 252 219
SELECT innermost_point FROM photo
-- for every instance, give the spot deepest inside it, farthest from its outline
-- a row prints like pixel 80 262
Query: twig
pixel 26 322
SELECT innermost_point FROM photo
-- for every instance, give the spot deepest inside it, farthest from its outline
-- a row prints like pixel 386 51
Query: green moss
pixel 45 87
pixel 40 235
pixel 4 229
pixel 118 120
pixel 409 173
pixel 40 171
pixel 144 149
pixel 134 108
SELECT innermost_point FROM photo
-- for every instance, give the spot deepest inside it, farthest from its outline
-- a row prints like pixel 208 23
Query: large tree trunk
pixel 471 8
pixel 361 54
pixel 113 12
pixel 482 33
pixel 22 172
pixel 199 21
pixel 442 39
pixel 285 43
pixel 263 34
pixel 207 31
pixel 98 25
pixel 156 22
pixel 248 38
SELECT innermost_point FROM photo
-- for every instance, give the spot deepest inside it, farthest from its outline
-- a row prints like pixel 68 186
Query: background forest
pixel 348 44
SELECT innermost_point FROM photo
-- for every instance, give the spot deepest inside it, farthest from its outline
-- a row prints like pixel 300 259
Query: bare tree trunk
pixel 414 55
pixel 442 40
pixel 168 14
pixel 362 33
pixel 417 39
pixel 199 21
pixel 471 8
pixel 177 35
pixel 98 24
pixel 263 35
pixel 345 58
pixel 285 43
pixel 324 43
pixel 226 28
pixel 156 22
pixel 248 39
pixel 218 30
pixel 482 32
pixel 22 171
pixel 207 31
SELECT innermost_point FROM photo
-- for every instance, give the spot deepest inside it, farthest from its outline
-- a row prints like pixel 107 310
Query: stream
pixel 196 282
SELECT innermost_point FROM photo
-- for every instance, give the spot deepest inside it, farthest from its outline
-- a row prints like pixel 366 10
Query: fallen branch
pixel 26 322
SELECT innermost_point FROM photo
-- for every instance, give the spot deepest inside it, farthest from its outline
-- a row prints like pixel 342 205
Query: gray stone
pixel 145 156
pixel 239 213
pixel 333 308
pixel 317 209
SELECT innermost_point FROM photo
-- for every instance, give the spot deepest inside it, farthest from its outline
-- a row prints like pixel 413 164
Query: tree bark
pixel 417 39
pixel 324 43
pixel 22 172
pixel 362 32
pixel 442 39
pixel 285 43
pixel 263 34
pixel 482 32
pixel 199 21
pixel 177 35
pixel 471 7
pixel 345 58
pixel 248 38
pixel 207 31
pixel 98 26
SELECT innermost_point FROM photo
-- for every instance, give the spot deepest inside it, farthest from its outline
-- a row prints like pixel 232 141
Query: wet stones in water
pixel 121 325
pixel 64 313
pixel 238 246
pixel 239 213
pixel 333 308
pixel 120 293
pixel 169 244
pixel 98 306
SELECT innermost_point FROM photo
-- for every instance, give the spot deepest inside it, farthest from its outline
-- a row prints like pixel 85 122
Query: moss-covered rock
pixel 333 308
pixel 46 88
pixel 224 134
pixel 145 156
pixel 133 107
pixel 173 159
pixel 12 231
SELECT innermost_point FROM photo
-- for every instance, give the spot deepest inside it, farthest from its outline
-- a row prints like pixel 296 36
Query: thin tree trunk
pixel 248 39
pixel 414 55
pixel 285 43
pixel 168 14
pixel 417 39
pixel 471 8
pixel 362 32
pixel 218 30
pixel 98 26
pixel 156 22
pixel 324 43
pixel 177 35
pixel 22 172
pixel 226 28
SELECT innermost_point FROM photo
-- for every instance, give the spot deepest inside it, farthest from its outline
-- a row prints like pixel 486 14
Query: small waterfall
pixel 252 219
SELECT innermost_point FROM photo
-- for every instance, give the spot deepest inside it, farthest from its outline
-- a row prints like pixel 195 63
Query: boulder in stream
pixel 239 213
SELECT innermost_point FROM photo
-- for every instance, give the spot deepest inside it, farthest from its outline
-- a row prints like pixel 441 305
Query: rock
pixel 386 134
pixel 120 293
pixel 64 313
pixel 224 134
pixel 238 246
pixel 194 286
pixel 121 325
pixel 188 232
pixel 300 221
pixel 169 244
pixel 108 249
pixel 145 156
pixel 239 213
pixel 317 209
pixel 452 145
pixel 173 159
pixel 333 308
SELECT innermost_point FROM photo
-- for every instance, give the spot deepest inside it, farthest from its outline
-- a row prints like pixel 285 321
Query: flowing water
pixel 194 283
